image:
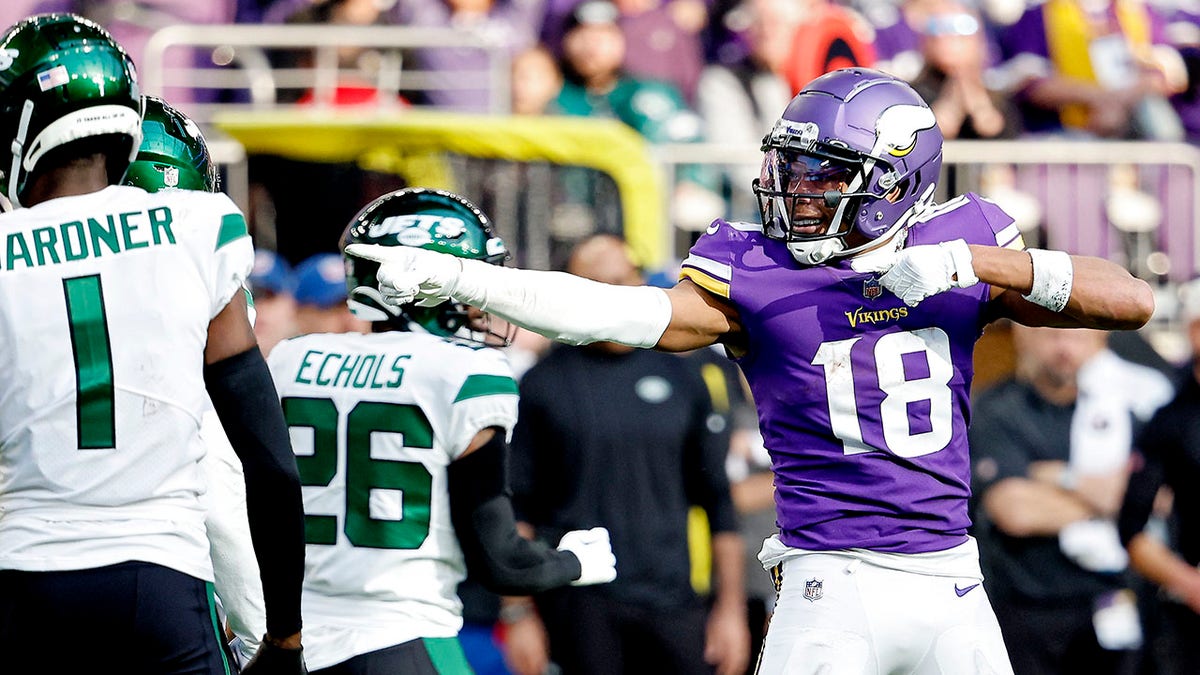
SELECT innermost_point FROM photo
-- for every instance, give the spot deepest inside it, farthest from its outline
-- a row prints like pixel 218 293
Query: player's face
pixel 491 330
pixel 799 174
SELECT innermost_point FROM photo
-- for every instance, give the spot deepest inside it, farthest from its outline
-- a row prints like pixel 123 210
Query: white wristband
pixel 565 307
pixel 1053 274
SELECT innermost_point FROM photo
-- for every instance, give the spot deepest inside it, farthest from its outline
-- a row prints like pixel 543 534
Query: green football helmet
pixel 436 220
pixel 62 79
pixel 173 153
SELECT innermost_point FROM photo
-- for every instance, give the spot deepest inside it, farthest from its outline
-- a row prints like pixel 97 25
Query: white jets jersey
pixel 376 420
pixel 105 302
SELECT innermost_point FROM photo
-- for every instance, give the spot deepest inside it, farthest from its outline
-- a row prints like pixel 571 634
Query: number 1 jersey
pixel 105 303
pixel 376 421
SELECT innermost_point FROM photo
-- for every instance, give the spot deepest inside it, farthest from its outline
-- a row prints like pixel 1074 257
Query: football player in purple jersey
pixel 853 310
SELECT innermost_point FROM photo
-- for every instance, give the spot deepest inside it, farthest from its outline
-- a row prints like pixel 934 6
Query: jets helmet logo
pixel 418 229
pixel 7 57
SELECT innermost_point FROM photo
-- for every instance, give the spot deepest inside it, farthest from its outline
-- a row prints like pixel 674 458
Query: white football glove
pixel 917 272
pixel 408 274
pixel 592 547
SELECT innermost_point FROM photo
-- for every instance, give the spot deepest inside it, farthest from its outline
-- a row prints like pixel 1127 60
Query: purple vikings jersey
pixel 863 402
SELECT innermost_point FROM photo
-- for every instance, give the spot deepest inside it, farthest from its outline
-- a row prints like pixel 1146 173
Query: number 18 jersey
pixel 376 421
pixel 863 402
pixel 105 301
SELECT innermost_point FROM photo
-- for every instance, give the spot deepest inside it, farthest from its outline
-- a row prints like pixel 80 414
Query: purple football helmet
pixel 856 127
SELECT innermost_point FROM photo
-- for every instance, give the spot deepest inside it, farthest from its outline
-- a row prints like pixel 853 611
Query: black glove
pixel 271 659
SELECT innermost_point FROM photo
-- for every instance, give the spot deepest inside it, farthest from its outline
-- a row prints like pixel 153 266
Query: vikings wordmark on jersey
pixel 862 400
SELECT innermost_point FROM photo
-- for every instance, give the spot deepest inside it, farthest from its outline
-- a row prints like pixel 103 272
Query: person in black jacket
pixel 1168 456
pixel 626 439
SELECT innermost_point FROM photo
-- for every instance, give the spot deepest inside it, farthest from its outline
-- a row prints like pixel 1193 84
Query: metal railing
pixel 1077 188
pixel 236 60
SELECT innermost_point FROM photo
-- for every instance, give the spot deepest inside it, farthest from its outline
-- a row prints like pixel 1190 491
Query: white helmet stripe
pixel 91 121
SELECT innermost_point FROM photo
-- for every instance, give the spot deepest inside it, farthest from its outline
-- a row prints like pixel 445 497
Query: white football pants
pixel 864 613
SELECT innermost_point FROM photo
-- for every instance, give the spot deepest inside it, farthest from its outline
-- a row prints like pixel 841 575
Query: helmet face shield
pixel 791 171
pixel 789 178
pixel 857 149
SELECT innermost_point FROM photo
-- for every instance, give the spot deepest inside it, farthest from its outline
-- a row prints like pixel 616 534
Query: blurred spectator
pixel 536 81
pixel 829 37
pixel 898 26
pixel 1100 67
pixel 132 24
pixel 320 293
pixel 1183 31
pixel 583 453
pixel 740 102
pixel 596 85
pixel 1169 463
pixel 1050 456
pixel 511 25
pixel 664 40
pixel 356 81
pixel 954 75
pixel 752 485
pixel 274 304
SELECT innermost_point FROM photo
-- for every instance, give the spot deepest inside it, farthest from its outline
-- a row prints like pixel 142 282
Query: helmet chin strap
pixel 18 152
pixel 815 252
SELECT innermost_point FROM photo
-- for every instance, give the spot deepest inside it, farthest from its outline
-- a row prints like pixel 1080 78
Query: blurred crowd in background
pixel 1064 422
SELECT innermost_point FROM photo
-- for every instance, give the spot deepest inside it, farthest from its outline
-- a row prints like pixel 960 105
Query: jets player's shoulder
pixel 210 215
pixel 711 259
pixel 293 348
pixel 970 217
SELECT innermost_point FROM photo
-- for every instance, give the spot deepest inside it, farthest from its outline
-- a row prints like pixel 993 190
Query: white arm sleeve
pixel 565 307
pixel 235 567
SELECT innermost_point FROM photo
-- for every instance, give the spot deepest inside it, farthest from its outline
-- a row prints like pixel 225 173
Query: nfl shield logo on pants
pixel 814 589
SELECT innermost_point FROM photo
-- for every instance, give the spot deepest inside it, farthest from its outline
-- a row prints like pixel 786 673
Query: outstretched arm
pixel 557 305
pixel 1102 294
pixel 1034 287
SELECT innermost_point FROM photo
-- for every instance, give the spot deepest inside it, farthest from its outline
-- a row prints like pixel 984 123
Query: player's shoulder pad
pixel 970 217
pixel 711 259
pixel 488 373
pixel 211 215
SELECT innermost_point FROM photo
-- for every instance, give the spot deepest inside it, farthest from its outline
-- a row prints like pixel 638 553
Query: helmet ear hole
pixel 898 192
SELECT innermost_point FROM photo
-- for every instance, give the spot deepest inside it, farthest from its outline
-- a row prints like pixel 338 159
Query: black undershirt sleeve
pixel 244 397
pixel 482 513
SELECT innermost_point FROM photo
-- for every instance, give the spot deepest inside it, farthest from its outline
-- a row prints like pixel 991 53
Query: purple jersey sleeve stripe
pixel 703 280
pixel 1010 237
